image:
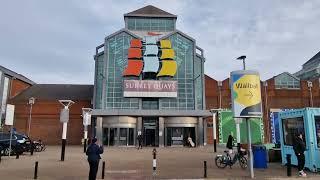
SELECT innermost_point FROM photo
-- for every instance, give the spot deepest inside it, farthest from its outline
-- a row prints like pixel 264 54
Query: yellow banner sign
pixel 246 94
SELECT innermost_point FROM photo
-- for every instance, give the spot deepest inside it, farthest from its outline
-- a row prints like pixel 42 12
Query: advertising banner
pixel 150 88
pixel 64 115
pixel 246 94
pixel 9 115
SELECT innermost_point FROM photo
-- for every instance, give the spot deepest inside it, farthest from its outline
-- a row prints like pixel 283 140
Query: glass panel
pixel 183 48
pixel 177 136
pixel 317 125
pixel 291 128
pixel 105 136
pixel 117 62
pixel 113 136
pixel 123 136
pixel 131 137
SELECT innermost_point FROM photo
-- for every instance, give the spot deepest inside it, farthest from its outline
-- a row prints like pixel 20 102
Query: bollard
pixel 288 164
pixel 154 162
pixel 205 169
pixel 36 170
pixel 0 155
pixel 103 169
pixel 17 156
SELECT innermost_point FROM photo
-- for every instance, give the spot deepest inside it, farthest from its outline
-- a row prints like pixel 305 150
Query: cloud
pixel 54 41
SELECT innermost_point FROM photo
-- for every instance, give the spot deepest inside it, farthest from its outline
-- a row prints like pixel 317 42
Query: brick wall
pixel 17 86
pixel 271 99
pixel 45 124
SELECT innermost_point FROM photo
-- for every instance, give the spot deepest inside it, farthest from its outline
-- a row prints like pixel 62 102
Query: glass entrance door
pixel 123 137
pixel 119 136
pixel 151 131
pixel 113 136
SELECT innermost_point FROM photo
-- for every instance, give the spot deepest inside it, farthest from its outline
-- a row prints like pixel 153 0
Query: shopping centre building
pixel 149 79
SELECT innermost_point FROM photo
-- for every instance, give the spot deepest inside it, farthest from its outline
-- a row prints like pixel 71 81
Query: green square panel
pixel 227 125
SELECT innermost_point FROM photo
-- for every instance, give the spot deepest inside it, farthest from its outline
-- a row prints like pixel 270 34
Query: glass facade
pixel 111 64
pixel 198 80
pixel 151 24
pixel 285 81
pixel 117 52
pixel 99 81
pixel 184 50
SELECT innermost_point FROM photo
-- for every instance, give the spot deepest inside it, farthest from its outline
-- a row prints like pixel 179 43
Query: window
pixel 285 81
pixel 291 128
pixel 150 103
pixel 151 24
pixel 317 125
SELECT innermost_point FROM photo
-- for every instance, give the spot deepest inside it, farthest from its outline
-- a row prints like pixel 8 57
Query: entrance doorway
pixel 151 131
pixel 178 136
pixel 150 137
pixel 119 136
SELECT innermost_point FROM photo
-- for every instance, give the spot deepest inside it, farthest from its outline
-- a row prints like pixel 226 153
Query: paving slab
pixel 130 163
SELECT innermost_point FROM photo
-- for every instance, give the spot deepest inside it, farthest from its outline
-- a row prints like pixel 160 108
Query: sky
pixel 54 41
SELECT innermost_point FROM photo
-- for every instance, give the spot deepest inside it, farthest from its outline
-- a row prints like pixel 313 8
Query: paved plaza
pixel 130 163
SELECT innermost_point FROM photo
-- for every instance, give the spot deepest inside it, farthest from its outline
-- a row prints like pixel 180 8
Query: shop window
pixel 291 128
pixel 317 125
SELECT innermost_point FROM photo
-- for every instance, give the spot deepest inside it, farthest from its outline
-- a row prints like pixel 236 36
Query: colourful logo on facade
pixel 150 56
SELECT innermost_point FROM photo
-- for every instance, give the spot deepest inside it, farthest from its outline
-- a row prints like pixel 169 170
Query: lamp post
pixel 243 58
pixel 220 95
pixel 247 122
pixel 86 115
pixel 265 85
pixel 214 127
pixel 64 118
pixel 310 91
pixel 30 102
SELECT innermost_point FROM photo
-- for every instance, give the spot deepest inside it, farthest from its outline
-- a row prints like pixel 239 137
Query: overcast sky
pixel 54 41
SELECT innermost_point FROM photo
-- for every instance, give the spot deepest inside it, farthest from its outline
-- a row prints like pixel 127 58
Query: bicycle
pixel 225 160
pixel 39 146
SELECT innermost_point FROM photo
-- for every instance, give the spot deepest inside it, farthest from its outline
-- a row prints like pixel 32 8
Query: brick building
pixel 11 84
pixel 284 91
pixel 45 113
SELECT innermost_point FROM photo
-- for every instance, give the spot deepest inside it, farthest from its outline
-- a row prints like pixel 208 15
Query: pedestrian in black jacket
pixel 299 147
pixel 229 145
pixel 93 153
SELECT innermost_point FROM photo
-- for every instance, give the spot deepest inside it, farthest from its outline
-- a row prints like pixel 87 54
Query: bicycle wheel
pixel 220 162
pixel 43 147
pixel 243 162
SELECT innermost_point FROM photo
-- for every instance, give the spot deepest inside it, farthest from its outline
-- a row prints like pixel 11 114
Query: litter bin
pixel 259 156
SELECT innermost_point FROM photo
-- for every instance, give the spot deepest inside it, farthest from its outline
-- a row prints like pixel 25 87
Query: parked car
pixel 24 141
pixel 16 147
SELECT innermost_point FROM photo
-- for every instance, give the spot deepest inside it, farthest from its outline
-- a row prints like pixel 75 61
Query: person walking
pixel 299 147
pixel 139 140
pixel 93 152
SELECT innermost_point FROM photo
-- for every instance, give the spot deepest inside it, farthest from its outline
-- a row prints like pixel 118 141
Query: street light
pixel 310 91
pixel 243 60
pixel 86 115
pixel 214 127
pixel 64 118
pixel 30 102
